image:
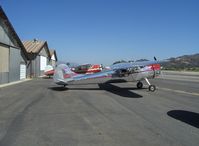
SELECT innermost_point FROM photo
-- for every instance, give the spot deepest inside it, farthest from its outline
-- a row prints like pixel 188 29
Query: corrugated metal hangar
pixel 39 57
pixel 13 57
pixel 20 60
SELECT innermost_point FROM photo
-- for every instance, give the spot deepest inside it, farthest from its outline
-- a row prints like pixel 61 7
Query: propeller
pixel 155 58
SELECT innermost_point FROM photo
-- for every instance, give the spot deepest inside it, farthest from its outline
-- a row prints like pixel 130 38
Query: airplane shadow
pixel 124 92
pixel 121 91
pixel 116 81
pixel 109 81
pixel 58 88
pixel 187 117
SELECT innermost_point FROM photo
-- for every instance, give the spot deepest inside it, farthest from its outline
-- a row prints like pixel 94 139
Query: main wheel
pixel 152 88
pixel 139 85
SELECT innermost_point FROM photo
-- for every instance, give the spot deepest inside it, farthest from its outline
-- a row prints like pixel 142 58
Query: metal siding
pixel 38 66
pixel 4 59
pixel 15 59
pixel 53 63
pixel 43 52
pixel 3 77
pixel 1 34
pixel 28 70
pixel 34 69
pixel 4 37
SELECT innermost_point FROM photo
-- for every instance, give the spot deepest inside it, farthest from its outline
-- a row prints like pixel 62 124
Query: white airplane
pixel 136 71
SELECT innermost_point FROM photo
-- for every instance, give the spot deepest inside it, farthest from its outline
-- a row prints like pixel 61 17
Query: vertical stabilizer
pixel 63 74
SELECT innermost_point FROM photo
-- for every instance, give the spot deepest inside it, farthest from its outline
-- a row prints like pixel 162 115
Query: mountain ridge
pixel 184 62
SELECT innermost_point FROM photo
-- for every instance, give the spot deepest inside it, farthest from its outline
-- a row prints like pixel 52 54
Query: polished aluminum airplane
pixel 135 71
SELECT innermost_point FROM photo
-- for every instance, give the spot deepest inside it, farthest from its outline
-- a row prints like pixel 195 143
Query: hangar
pixel 13 57
pixel 39 57
pixel 53 59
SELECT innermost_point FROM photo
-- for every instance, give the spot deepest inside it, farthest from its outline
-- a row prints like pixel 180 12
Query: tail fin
pixel 62 74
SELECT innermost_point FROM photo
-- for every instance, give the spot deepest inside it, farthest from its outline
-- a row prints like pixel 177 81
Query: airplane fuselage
pixel 138 73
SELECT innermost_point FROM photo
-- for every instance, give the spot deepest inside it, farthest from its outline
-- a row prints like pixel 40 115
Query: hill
pixel 185 62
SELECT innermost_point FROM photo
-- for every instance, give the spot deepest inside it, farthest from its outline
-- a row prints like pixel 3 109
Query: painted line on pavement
pixel 13 83
pixel 180 91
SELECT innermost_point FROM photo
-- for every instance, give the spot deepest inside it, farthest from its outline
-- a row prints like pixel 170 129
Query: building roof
pixel 53 52
pixel 11 30
pixel 35 46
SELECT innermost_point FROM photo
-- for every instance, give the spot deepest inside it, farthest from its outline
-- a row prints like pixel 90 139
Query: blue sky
pixel 103 31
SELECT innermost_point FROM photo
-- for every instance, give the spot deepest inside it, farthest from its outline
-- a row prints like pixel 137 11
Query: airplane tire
pixel 139 85
pixel 152 88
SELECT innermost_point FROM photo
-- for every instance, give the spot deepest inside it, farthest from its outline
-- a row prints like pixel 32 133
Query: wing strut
pixel 152 88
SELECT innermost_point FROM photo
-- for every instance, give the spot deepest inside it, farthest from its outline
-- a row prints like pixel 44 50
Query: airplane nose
pixel 156 68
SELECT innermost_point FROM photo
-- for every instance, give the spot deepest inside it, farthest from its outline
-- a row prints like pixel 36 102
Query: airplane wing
pixel 102 74
pixel 134 64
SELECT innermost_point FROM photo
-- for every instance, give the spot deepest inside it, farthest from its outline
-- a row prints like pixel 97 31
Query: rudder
pixel 62 74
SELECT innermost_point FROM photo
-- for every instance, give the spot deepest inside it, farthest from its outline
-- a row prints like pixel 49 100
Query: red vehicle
pixel 87 69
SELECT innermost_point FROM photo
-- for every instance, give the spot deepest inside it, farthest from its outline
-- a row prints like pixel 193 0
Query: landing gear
pixel 152 88
pixel 139 85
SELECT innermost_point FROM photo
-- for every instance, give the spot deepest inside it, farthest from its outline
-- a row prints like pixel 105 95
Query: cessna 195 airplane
pixel 136 71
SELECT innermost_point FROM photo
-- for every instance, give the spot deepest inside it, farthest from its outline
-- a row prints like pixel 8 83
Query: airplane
pixel 81 69
pixel 87 68
pixel 49 71
pixel 135 71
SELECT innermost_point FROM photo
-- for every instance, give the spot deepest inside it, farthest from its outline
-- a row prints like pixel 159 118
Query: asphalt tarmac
pixel 40 113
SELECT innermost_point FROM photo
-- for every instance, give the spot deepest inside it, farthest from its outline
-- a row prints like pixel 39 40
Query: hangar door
pixel 4 64
pixel 14 68
pixel 22 71
pixel 43 62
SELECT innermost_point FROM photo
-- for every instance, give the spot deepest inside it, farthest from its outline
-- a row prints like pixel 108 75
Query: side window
pixel 136 69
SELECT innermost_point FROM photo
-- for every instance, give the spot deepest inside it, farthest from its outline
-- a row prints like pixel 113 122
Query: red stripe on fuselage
pixel 69 75
pixel 155 66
